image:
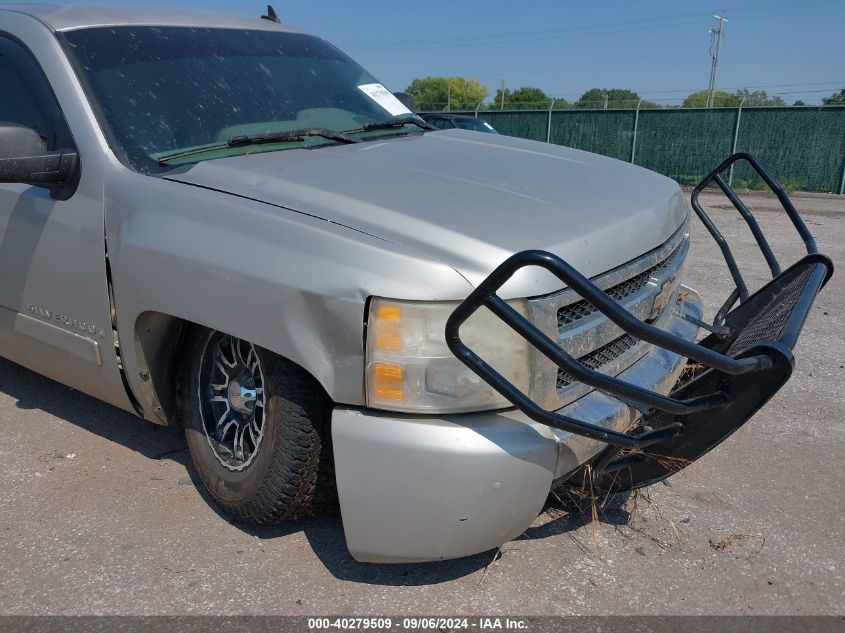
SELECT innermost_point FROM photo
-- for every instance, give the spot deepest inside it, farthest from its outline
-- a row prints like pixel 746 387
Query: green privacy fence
pixel 803 147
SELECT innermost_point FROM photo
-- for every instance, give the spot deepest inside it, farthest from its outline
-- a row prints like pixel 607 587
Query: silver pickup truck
pixel 227 224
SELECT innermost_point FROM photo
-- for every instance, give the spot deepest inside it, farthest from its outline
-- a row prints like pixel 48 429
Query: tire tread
pixel 303 410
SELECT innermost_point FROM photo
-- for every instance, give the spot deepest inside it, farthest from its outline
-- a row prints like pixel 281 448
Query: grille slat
pixel 574 312
pixel 606 357
pixel 598 358
pixel 644 286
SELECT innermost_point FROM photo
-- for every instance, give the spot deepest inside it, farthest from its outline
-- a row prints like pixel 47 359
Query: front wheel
pixel 252 422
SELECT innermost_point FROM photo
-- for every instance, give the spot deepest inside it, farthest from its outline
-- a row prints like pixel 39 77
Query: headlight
pixel 410 368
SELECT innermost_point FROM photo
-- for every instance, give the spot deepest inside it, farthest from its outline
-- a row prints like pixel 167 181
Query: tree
pixel 526 98
pixel 798 102
pixel 721 99
pixel 611 98
pixel 440 93
pixel 758 98
pixel 837 98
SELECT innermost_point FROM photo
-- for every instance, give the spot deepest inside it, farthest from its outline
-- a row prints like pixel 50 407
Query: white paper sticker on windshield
pixel 384 98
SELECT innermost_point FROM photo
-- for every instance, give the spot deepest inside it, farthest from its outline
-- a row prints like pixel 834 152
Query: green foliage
pixel 722 99
pixel 798 102
pixel 526 98
pixel 440 93
pixel 837 98
pixel 598 98
pixel 758 98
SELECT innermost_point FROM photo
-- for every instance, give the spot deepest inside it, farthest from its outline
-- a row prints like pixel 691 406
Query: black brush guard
pixel 730 374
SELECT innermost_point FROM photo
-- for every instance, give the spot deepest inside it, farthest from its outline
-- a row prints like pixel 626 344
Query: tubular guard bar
pixel 738 368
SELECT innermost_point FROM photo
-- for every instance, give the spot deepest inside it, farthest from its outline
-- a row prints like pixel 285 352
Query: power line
pixel 587 30
pixel 525 36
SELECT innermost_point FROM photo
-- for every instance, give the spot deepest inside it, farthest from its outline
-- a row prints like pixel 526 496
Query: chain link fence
pixel 804 147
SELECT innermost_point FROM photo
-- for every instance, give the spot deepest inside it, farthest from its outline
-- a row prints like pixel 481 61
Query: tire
pixel 253 428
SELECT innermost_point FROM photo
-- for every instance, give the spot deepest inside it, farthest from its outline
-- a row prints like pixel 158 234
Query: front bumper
pixel 414 489
pixel 420 488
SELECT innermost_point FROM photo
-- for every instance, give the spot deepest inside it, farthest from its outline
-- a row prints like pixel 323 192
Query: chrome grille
pixel 599 358
pixel 645 287
pixel 573 312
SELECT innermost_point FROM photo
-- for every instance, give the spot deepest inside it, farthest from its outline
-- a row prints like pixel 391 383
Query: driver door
pixel 54 301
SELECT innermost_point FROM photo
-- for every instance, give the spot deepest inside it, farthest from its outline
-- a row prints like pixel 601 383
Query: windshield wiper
pixel 383 125
pixel 246 140
pixel 290 135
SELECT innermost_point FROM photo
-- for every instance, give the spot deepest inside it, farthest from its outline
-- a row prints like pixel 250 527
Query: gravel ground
pixel 99 513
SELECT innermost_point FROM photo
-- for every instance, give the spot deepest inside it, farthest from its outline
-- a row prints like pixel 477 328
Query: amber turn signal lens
pixel 389 313
pixel 387 328
pixel 387 381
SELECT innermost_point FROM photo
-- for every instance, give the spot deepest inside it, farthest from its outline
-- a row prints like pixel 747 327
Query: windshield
pixel 159 91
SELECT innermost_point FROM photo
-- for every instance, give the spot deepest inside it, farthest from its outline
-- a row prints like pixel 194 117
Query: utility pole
pixel 448 94
pixel 716 35
pixel 502 105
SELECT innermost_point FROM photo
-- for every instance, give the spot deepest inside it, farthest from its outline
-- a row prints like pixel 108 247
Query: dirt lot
pixel 99 512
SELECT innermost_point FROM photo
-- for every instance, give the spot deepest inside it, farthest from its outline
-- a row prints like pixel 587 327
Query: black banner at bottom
pixel 517 624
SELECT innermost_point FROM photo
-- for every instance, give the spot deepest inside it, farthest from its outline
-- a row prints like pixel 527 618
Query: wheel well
pixel 159 342
pixel 158 348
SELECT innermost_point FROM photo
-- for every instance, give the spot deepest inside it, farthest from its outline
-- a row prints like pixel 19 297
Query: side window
pixel 27 98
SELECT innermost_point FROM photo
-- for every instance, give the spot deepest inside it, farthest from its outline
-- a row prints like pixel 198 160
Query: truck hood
pixel 466 199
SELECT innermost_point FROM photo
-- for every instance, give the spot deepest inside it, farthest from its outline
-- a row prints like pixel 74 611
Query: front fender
pixel 291 283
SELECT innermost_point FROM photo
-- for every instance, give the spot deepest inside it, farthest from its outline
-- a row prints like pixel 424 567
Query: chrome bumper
pixel 658 370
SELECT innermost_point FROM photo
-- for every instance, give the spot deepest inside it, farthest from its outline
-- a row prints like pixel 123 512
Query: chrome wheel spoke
pixel 239 354
pixel 226 428
pixel 238 441
pixel 232 400
pixel 252 361
pixel 233 350
pixel 254 433
pixel 222 371
pixel 221 421
pixel 230 362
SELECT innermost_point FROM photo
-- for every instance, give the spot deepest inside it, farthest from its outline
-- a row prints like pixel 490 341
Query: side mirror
pixel 23 159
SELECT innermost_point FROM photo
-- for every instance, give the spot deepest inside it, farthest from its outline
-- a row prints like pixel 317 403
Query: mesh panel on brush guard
pixel 768 325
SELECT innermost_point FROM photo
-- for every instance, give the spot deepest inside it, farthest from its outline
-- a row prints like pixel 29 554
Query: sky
pixel 660 49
